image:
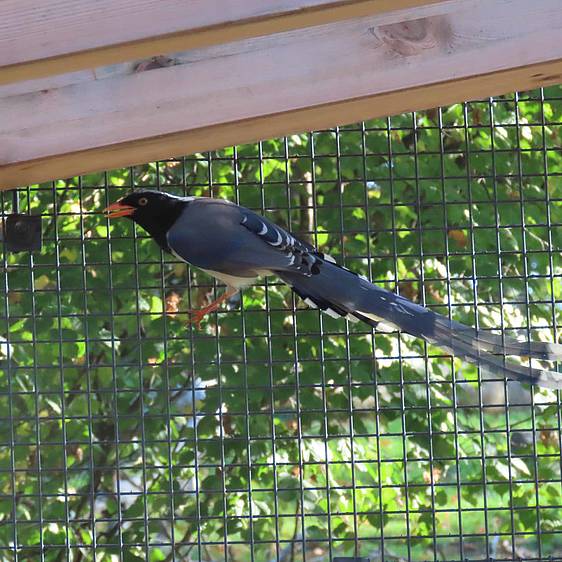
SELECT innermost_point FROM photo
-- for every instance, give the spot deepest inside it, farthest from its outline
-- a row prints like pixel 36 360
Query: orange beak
pixel 118 210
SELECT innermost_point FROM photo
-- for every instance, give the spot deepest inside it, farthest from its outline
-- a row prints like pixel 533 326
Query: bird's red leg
pixel 198 314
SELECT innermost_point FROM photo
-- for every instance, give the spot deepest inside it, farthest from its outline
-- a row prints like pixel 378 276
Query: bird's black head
pixel 155 211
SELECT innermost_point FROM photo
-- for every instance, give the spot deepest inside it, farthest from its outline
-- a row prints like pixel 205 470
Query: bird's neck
pixel 158 225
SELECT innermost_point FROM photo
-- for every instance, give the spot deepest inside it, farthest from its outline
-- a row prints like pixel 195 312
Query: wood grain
pixel 39 39
pixel 258 128
pixel 294 81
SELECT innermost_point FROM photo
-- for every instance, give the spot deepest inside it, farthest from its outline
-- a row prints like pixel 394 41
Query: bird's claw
pixel 196 316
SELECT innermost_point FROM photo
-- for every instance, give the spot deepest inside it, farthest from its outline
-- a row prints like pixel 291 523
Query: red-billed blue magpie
pixel 236 246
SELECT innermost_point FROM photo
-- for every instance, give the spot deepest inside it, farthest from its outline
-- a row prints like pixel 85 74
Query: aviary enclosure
pixel 274 432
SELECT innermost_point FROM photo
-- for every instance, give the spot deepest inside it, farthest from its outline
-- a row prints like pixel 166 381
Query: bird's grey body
pixel 233 242
pixel 237 245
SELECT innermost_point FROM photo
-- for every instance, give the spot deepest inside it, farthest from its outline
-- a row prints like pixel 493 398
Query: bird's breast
pixel 231 280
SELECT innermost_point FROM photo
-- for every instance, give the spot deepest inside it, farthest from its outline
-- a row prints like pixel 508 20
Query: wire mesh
pixel 273 432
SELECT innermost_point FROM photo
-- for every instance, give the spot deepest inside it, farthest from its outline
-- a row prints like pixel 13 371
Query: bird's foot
pixel 197 315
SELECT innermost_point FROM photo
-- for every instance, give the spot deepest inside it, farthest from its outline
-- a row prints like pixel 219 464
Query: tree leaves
pixel 272 410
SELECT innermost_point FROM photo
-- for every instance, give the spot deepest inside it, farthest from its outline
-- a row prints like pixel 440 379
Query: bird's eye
pixel 143 201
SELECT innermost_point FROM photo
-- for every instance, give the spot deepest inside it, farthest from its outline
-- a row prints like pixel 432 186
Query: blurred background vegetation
pixel 274 432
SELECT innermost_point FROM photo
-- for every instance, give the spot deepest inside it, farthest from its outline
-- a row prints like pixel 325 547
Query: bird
pixel 236 246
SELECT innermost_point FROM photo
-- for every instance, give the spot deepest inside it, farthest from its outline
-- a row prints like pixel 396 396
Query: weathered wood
pixel 212 137
pixel 40 38
pixel 267 86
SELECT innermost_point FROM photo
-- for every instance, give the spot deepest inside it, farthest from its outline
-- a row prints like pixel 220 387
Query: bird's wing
pixel 219 236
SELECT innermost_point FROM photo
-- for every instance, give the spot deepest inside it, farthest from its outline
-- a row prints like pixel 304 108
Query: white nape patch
pixel 263 229
pixel 180 197
pixel 332 313
pixel 310 303
pixel 329 258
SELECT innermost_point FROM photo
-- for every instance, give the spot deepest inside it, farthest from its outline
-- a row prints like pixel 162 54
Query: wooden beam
pixel 215 136
pixel 38 39
pixel 268 86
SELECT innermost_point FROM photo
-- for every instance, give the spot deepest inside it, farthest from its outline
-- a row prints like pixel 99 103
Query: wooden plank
pixel 295 81
pixel 250 130
pixel 39 39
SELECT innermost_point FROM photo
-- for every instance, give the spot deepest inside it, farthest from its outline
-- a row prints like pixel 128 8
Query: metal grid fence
pixel 275 433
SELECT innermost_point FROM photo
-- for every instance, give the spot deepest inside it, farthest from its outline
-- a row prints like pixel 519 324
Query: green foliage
pixel 122 425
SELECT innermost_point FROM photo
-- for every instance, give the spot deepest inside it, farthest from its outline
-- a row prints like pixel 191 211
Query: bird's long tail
pixel 340 292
